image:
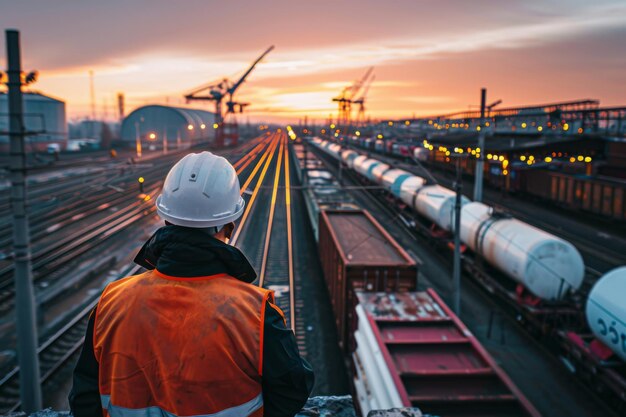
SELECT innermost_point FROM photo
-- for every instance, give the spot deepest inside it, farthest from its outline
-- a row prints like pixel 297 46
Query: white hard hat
pixel 201 190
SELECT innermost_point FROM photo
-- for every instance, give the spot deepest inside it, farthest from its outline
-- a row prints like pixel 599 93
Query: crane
pixel 345 99
pixel 360 118
pixel 217 92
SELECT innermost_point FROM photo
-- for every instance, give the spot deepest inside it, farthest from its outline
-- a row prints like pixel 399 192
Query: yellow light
pixel 572 159
pixel 425 142
pixel 141 180
pixel 189 127
pixel 505 163
pixel 486 124
pixel 146 198
pixel 580 130
pixel 477 149
pixel 215 125
pixel 531 158
pixel 336 134
pixel 524 125
pixel 332 126
pixel 152 136
pixel 390 123
pixel 588 159
pixel 540 128
pixel 202 126
pixel 478 128
pixel 565 126
pixel 288 127
pixel 447 153
pixel 580 158
pixel 379 136
pixel 407 123
pixel 430 122
pixel 548 159
pixel 489 156
pixel 522 158
pixel 505 172
pixel 279 130
pixel 357 133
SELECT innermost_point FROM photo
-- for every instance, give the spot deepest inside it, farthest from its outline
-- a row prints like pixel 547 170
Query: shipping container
pixel 357 253
pixel 413 351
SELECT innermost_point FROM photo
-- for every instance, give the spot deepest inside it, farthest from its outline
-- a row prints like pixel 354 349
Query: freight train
pixel 548 270
pixel 396 339
pixel 601 195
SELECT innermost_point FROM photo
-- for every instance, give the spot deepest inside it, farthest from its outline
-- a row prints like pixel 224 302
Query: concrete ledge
pixel 331 406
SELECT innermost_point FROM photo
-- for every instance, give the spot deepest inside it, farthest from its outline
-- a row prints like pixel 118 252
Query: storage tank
pixel 436 203
pixel 348 157
pixel 546 265
pixel 606 310
pixel 365 166
pixel 409 188
pixel 393 179
pixel 334 150
pixel 421 154
pixel 378 171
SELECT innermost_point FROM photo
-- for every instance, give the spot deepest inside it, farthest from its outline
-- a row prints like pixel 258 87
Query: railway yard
pixel 352 266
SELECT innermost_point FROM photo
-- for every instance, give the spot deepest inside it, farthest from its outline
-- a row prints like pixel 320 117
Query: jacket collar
pixel 186 252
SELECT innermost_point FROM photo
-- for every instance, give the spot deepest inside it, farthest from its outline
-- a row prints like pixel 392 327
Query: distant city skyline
pixel 429 56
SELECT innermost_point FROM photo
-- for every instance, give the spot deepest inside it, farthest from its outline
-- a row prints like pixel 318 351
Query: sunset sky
pixel 429 56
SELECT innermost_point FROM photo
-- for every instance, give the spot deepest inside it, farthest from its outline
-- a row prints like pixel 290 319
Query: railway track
pixel 57 351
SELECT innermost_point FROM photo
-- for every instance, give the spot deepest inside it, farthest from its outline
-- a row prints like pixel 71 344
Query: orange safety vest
pixel 170 346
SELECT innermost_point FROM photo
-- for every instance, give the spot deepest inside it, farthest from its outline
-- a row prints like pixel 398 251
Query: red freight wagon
pixel 357 253
pixel 411 350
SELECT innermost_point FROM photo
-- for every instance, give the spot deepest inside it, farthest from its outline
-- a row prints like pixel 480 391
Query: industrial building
pixel 44 120
pixel 176 125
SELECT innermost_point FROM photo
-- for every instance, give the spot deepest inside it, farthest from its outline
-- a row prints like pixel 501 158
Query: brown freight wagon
pixel 357 253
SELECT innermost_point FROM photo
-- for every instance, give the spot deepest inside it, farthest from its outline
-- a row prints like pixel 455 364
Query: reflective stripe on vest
pixel 242 410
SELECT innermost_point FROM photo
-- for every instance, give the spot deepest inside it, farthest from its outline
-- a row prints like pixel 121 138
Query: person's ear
pixel 228 230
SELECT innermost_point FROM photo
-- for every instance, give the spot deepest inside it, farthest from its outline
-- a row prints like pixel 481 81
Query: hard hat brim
pixel 202 223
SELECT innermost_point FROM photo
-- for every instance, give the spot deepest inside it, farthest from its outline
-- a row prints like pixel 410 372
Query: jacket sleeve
pixel 287 378
pixel 84 397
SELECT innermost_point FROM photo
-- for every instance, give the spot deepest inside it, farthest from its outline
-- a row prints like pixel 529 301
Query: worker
pixel 192 336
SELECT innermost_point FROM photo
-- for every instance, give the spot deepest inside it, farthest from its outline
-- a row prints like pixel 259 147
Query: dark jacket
pixel 183 252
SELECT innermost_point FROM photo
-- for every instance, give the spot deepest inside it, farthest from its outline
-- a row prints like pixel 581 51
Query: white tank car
pixel 606 310
pixel 546 265
pixel 334 150
pixel 364 167
pixel 409 188
pixel 378 171
pixel 421 154
pixel 392 180
pixel 348 157
pixel 436 203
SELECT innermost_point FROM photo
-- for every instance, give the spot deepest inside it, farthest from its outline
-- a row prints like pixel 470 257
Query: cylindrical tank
pixel 348 157
pixel 364 167
pixel 421 154
pixel 606 310
pixel 334 149
pixel 378 171
pixel 409 188
pixel 436 203
pixel 393 179
pixel 546 265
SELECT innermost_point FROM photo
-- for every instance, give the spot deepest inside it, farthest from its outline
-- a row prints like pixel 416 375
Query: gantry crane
pixel 360 118
pixel 217 92
pixel 346 98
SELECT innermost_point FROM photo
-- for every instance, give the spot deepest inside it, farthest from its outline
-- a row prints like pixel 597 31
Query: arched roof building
pixel 156 122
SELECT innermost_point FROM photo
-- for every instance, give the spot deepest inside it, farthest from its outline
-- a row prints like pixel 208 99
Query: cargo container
pixel 357 253
pixel 412 351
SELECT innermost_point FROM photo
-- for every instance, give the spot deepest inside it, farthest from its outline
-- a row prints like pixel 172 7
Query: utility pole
pixel 480 164
pixel 165 141
pixel 30 390
pixel 456 279
pixel 92 95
